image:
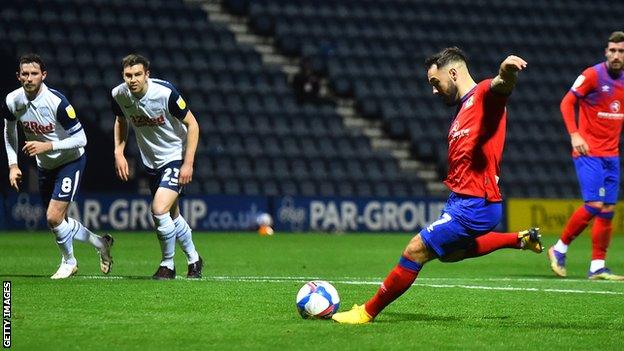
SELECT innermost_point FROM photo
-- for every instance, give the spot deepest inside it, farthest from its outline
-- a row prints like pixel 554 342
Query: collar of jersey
pixel 135 99
pixel 468 94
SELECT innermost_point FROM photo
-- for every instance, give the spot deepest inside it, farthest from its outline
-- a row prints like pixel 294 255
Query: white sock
pixel 85 235
pixel 596 265
pixel 184 236
pixel 167 237
pixel 561 247
pixel 63 233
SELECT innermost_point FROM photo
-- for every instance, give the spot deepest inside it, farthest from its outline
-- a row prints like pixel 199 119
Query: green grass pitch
pixel 508 300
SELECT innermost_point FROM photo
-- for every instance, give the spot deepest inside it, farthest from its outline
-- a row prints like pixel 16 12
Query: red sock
pixel 493 241
pixel 601 236
pixel 395 284
pixel 577 223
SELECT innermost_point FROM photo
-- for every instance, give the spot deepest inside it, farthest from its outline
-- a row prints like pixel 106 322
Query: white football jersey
pixel 47 118
pixel 156 119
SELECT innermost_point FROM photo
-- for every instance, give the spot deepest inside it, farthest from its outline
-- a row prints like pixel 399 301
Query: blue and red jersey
pixel 600 98
pixel 476 140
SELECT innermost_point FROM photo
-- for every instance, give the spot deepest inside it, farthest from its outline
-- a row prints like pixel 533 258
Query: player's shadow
pixel 421 317
pixel 2 275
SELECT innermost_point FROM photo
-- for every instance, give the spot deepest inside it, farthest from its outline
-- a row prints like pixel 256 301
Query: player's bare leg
pixel 164 199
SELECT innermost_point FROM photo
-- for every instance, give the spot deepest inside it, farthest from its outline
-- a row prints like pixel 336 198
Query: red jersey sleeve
pixel 493 103
pixel 585 83
pixel 567 111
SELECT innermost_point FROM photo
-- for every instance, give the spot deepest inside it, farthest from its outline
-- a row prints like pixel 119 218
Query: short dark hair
pixel 616 37
pixel 135 59
pixel 446 56
pixel 31 58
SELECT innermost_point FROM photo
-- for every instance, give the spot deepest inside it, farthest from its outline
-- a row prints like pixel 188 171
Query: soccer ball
pixel 317 299
pixel 264 219
pixel 264 222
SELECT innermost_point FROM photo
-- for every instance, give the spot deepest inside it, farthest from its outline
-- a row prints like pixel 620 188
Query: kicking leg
pixel 525 240
pixel 396 283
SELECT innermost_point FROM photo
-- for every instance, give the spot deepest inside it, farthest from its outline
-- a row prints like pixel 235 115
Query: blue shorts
pixel 463 219
pixel 61 183
pixel 599 178
pixel 166 176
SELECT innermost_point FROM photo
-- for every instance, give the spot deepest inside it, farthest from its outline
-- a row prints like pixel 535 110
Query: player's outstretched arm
pixel 507 76
pixel 121 136
pixel 192 138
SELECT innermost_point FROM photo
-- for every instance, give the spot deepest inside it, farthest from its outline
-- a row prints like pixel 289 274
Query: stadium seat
pixel 369 51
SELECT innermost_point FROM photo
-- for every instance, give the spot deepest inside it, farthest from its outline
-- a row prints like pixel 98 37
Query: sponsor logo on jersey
pixel 70 111
pixel 456 133
pixel 144 121
pixel 36 128
pixel 460 134
pixel 181 103
pixel 615 113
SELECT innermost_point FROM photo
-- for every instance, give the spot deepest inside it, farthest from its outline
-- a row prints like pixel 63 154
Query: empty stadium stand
pixel 255 137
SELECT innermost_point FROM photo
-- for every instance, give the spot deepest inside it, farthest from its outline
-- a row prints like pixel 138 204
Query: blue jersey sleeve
pixel 115 107
pixel 177 106
pixel 66 115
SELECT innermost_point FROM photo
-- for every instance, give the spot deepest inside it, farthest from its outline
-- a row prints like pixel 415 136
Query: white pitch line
pixel 267 279
pixel 308 278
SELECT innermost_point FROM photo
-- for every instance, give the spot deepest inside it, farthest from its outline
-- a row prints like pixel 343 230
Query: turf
pixel 508 300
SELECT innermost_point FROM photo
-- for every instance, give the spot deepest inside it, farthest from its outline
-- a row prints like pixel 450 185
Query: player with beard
pixel 474 207
pixel 599 94
pixel 55 137
pixel 167 134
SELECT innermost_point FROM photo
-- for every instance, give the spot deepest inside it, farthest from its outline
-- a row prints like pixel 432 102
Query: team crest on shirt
pixel 155 106
pixel 605 88
pixel 70 111
pixel 614 106
pixel 44 112
pixel 468 104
